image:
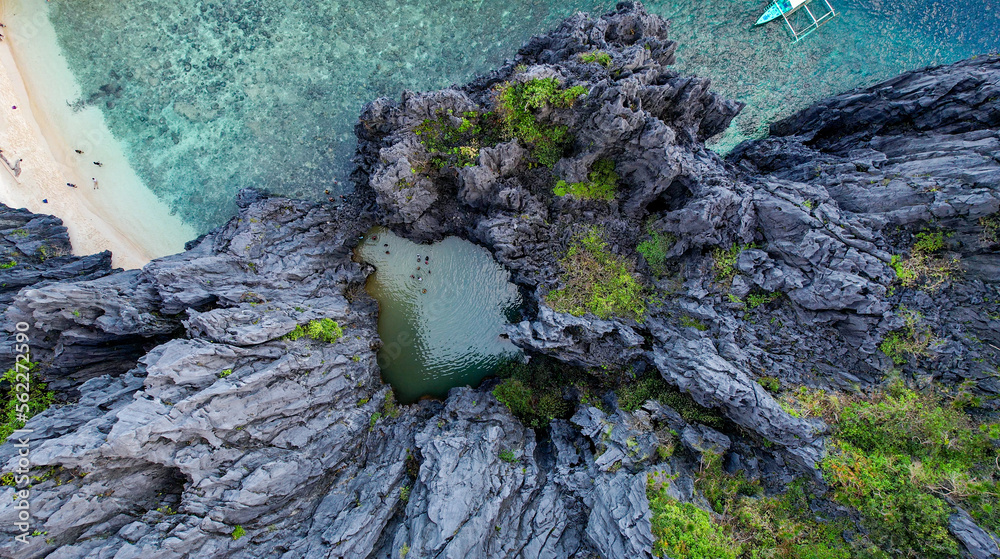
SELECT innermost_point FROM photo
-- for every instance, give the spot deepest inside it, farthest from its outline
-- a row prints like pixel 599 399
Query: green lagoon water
pixel 442 308
pixel 210 96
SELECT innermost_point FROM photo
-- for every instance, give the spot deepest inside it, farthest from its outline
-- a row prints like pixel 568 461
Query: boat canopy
pixel 814 19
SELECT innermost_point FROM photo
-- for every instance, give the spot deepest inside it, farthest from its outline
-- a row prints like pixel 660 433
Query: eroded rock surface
pixel 651 122
pixel 35 249
pixel 186 417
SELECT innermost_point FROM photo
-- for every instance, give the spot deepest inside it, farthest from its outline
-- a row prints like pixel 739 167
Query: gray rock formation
pixel 298 443
pixel 915 154
pixel 979 543
pixel 35 249
pixel 646 118
pixel 189 426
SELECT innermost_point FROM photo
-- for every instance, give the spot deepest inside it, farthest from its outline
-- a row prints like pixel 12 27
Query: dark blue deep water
pixel 210 96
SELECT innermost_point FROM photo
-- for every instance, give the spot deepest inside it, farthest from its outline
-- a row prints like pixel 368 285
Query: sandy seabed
pixel 121 215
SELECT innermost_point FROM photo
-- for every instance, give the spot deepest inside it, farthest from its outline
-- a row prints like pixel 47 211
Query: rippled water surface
pixel 442 308
pixel 213 95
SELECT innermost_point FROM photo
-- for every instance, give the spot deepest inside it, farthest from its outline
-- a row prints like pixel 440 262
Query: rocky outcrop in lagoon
pixel 195 420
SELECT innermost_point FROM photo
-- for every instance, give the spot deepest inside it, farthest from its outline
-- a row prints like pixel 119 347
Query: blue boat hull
pixel 775 11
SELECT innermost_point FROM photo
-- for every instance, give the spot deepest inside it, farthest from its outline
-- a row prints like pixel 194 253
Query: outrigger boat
pixel 785 8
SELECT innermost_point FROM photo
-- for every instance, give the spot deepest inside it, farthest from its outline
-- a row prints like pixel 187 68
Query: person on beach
pixel 80 151
pixel 98 163
pixel 94 181
pixel 71 185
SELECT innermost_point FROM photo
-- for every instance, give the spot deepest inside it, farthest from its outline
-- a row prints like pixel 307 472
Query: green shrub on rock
pixel 692 322
pixel 598 281
pixel 516 106
pixel 601 183
pixel 654 249
pixel 725 262
pixel 455 139
pixel 507 455
pixel 923 268
pixel 991 230
pixel 684 531
pixel 633 394
pixel 325 330
pixel 536 408
pixel 899 460
pixel 598 56
pixel 911 340
pixel 897 455
pixel 16 412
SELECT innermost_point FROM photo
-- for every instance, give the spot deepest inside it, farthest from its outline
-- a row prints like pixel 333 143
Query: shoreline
pixel 122 215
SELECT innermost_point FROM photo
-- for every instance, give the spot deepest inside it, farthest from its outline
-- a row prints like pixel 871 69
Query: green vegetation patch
pixel 601 183
pixel 898 455
pixel 991 230
pixel 325 330
pixel 747 525
pixel 389 406
pixel 598 281
pixel 725 262
pixel 684 531
pixel 455 139
pixel 516 106
pixel 19 405
pixel 654 249
pixel 8 265
pixel 536 408
pixel 900 458
pixel 533 391
pixel 928 241
pixel 757 299
pixel 913 339
pixel 598 56
pixel 771 384
pixel 238 532
pixel 923 268
pixel 545 389
pixel 508 455
pixel 632 395
pixel 692 322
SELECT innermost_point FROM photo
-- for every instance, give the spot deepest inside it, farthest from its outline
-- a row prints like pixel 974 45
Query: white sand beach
pixel 121 215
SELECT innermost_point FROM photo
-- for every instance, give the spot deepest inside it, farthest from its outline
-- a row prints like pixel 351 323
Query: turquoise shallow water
pixel 212 96
pixel 442 308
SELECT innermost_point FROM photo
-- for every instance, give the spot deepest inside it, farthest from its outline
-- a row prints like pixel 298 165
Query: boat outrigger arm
pixel 785 8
